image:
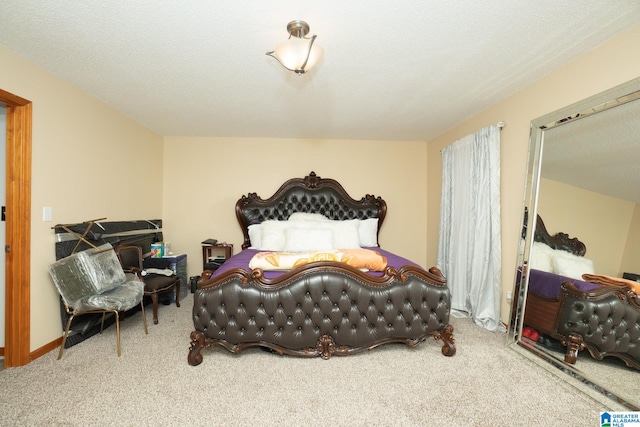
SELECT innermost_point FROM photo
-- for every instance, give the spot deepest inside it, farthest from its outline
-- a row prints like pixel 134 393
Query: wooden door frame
pixel 17 339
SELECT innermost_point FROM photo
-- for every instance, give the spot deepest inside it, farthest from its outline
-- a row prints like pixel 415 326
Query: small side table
pixel 208 252
pixel 178 264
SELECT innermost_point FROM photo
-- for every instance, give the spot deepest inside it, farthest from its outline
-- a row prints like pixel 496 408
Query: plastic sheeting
pixel 141 232
pixel 93 279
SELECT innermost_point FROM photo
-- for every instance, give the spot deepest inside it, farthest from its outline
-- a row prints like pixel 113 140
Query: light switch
pixel 47 213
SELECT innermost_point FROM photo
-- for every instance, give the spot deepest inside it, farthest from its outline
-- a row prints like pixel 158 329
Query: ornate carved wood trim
pixel 325 348
pixel 559 240
pixel 256 277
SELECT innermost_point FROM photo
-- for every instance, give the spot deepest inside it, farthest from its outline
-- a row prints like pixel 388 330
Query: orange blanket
pixel 363 259
pixel 608 280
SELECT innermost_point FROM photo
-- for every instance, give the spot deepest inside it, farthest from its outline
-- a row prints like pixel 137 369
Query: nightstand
pixel 217 253
pixel 178 264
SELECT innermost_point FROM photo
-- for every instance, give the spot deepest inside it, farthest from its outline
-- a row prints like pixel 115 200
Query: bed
pixel 571 304
pixel 323 306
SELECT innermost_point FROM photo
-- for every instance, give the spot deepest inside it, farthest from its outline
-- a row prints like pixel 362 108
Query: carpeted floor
pixel 484 384
pixel 610 373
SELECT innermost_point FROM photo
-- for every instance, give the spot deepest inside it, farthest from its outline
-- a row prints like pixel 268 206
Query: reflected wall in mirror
pixel 579 310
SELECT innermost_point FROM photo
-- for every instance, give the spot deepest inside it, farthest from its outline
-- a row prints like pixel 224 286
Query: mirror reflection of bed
pixel 588 320
pixel 588 175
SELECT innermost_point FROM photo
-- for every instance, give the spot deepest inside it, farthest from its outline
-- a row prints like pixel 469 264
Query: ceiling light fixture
pixel 299 53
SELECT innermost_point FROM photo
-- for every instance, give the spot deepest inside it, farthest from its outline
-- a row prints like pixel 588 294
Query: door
pixel 3 164
pixel 18 230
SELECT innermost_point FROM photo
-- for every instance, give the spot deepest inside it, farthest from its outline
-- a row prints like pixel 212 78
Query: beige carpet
pixel 484 384
pixel 610 373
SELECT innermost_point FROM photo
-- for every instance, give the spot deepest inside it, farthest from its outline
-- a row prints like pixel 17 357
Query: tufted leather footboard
pixel 606 322
pixel 322 309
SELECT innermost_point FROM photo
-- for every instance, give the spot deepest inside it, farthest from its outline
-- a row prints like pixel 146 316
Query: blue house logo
pixel 605 419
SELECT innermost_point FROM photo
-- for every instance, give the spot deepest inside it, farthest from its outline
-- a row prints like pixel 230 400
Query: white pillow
pixel 303 239
pixel 540 261
pixel 255 235
pixel 540 257
pixel 570 265
pixel 346 234
pixel 542 248
pixel 272 235
pixel 305 216
pixel 368 232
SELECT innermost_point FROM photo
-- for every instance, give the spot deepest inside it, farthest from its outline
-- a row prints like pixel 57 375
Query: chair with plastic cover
pixel 156 275
pixel 93 281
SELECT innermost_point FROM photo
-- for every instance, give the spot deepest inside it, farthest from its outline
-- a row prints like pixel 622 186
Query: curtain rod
pixel 501 124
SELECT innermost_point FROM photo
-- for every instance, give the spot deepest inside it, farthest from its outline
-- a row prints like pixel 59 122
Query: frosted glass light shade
pixel 292 54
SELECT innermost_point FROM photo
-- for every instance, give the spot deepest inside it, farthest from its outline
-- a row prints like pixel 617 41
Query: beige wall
pixel 601 222
pixel 631 258
pixel 86 155
pixel 611 64
pixel 204 177
pixel 89 161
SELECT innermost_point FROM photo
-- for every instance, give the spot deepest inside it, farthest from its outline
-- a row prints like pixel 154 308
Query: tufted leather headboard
pixel 310 194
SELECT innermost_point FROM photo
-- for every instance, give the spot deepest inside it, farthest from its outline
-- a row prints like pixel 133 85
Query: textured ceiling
pixel 599 152
pixel 392 70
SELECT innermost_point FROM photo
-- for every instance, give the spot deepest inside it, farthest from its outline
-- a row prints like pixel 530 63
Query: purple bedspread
pixel 548 284
pixel 241 260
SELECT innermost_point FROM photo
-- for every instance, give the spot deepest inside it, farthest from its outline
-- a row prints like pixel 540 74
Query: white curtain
pixel 469 249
